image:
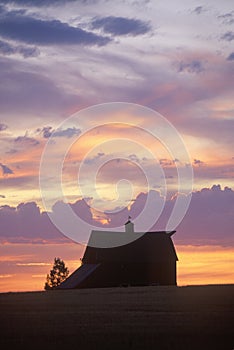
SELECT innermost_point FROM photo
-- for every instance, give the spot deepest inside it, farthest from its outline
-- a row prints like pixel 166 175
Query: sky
pixel 110 109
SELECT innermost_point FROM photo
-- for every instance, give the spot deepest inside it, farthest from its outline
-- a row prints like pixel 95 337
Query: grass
pixel 156 317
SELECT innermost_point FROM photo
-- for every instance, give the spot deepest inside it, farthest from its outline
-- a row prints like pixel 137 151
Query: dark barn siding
pixel 149 260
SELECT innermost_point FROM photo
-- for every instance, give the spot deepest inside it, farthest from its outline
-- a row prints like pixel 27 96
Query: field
pixel 155 317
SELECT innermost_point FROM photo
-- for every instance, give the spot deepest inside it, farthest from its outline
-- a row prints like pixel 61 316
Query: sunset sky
pixel 104 104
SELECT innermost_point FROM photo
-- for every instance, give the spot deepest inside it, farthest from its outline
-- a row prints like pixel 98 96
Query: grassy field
pixel 193 317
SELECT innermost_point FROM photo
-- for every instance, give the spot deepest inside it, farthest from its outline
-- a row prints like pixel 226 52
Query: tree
pixel 57 275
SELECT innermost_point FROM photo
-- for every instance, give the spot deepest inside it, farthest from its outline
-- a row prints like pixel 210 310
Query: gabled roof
pixel 78 276
pixel 148 247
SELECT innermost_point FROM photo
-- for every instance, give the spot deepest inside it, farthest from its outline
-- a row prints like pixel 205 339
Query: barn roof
pixel 78 276
pixel 147 247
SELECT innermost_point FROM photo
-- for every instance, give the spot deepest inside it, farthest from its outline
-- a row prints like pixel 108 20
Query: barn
pixel 150 259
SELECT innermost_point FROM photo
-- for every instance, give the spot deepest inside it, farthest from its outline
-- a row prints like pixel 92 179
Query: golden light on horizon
pixel 205 265
pixel 197 265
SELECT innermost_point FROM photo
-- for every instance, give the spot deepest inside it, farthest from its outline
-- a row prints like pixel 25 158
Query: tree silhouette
pixel 57 275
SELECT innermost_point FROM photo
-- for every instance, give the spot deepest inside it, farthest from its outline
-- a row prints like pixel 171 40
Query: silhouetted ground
pixel 195 317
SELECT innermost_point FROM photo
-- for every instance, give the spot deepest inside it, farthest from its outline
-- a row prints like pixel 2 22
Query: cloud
pixel 198 10
pixel 25 91
pixel 93 159
pixel 41 3
pixel 227 18
pixel 25 51
pixel 19 182
pixel 3 126
pixel 121 26
pixel 48 131
pixel 165 162
pixel 20 27
pixel 197 162
pixel 228 36
pixel 6 170
pixel 134 158
pixel 194 66
pixel 231 57
pixel 26 140
pixel 26 223
pixel 209 220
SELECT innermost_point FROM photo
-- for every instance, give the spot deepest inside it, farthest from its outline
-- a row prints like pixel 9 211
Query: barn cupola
pixel 129 226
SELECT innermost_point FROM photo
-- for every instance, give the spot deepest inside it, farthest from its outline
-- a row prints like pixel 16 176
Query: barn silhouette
pixel 150 259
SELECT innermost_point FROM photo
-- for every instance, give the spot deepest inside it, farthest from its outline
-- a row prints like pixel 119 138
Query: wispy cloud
pixel 6 276
pixel 48 131
pixel 3 126
pixel 25 51
pixel 26 140
pixel 194 66
pixel 199 9
pixel 33 264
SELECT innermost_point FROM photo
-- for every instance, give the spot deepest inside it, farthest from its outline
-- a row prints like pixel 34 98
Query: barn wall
pixel 116 274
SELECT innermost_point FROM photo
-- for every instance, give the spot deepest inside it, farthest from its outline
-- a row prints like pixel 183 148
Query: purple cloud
pixel 227 18
pixel 209 220
pixel 194 66
pixel 26 140
pixel 17 26
pixel 48 131
pixel 228 36
pixel 197 162
pixel 26 223
pixel 41 3
pixel 198 10
pixel 25 51
pixel 121 26
pixel 6 170
pixel 3 126
pixel 231 57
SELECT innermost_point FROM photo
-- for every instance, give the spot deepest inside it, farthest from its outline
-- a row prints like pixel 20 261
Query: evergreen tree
pixel 57 275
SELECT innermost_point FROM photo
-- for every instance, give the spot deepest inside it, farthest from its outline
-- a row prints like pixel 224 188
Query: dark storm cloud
pixel 21 27
pixel 121 26
pixel 231 57
pixel 25 51
pixel 194 66
pixel 6 170
pixel 228 36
